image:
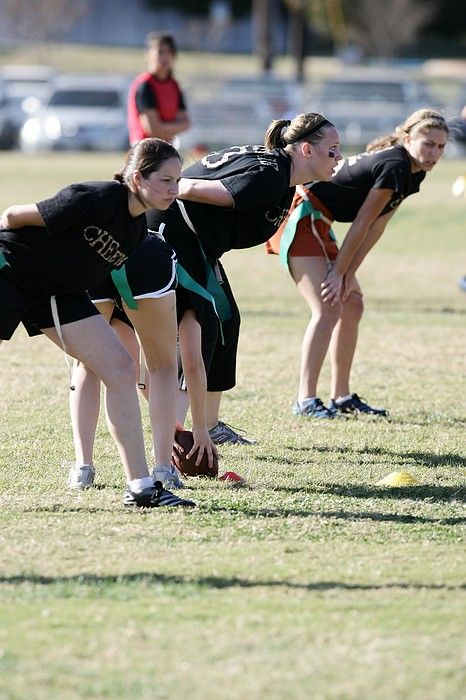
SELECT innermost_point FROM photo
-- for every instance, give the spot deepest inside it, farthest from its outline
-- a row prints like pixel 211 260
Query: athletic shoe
pixel 81 476
pixel 355 405
pixel 155 497
pixel 314 409
pixel 168 475
pixel 224 434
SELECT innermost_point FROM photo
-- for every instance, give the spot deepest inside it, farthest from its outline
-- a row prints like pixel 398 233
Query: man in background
pixel 156 105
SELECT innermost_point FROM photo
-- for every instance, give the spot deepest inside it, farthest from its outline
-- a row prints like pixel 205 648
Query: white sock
pixel 162 466
pixel 138 485
pixel 344 398
pixel 306 402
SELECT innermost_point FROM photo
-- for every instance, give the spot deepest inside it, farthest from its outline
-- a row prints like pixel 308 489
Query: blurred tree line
pixel 367 27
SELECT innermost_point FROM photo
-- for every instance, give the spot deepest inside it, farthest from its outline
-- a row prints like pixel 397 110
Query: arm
pixel 375 231
pixel 353 242
pixel 152 124
pixel 373 234
pixel 194 371
pixel 205 191
pixel 20 215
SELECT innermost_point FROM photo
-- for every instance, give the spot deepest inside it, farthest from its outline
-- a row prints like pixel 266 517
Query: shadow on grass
pixel 245 511
pixel 412 493
pixel 375 516
pixel 426 459
pixel 216 582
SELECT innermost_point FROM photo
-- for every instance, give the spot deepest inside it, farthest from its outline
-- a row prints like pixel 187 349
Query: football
pixel 188 467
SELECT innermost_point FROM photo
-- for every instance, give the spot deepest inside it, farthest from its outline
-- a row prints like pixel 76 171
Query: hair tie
pixel 311 130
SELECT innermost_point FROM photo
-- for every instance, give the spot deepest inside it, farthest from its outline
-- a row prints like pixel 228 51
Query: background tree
pixel 39 21
pixel 384 28
pixel 239 8
pixel 298 20
pixel 263 16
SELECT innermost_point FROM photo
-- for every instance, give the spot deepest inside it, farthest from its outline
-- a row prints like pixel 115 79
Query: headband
pixel 437 117
pixel 311 130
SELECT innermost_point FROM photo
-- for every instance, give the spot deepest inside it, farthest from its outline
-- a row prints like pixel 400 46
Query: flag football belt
pixel 305 208
pixel 220 304
pixel 120 280
pixel 3 261
pixel 213 291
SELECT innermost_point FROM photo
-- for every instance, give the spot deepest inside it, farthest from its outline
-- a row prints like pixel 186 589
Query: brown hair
pixel 304 127
pixel 420 121
pixel 146 156
pixel 154 39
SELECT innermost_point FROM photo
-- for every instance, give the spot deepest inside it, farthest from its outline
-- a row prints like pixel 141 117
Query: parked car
pixel 5 122
pixel 236 111
pixel 365 107
pixel 82 114
pixel 26 88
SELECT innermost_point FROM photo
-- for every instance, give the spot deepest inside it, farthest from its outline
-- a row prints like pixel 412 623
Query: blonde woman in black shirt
pixel 365 191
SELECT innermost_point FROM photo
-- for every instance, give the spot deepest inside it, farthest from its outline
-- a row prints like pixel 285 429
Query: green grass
pixel 311 582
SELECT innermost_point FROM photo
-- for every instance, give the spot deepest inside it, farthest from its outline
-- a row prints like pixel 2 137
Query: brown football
pixel 188 467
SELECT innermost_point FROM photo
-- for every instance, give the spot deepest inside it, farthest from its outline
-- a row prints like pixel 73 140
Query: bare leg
pixel 85 400
pixel 84 412
pixel 93 342
pixel 155 324
pixel 213 408
pixel 85 404
pixel 182 406
pixel 343 345
pixel 308 273
pixel 128 337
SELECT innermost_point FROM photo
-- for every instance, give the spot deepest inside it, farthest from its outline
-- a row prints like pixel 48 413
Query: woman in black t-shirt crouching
pixel 366 190
pixel 53 251
pixel 236 198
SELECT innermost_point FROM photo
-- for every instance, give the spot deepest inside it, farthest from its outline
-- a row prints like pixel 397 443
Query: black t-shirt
pixel 259 182
pixel 88 232
pixel 389 168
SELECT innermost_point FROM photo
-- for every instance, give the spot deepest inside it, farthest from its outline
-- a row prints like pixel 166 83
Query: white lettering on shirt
pixel 276 215
pixel 105 245
pixel 261 152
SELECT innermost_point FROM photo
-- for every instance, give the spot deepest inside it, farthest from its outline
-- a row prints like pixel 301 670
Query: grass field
pixel 311 582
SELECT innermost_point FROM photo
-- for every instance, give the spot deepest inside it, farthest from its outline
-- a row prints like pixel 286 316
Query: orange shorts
pixel 305 242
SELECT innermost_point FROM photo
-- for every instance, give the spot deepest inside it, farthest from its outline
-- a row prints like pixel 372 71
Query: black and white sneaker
pixel 356 406
pixel 155 497
pixel 224 434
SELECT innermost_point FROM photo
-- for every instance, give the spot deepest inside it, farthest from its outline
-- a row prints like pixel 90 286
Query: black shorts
pixel 219 340
pixel 34 311
pixel 219 357
pixel 221 374
pixel 150 270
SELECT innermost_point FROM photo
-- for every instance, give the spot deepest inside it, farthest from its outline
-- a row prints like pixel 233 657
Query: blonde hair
pixel 304 127
pixel 420 121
